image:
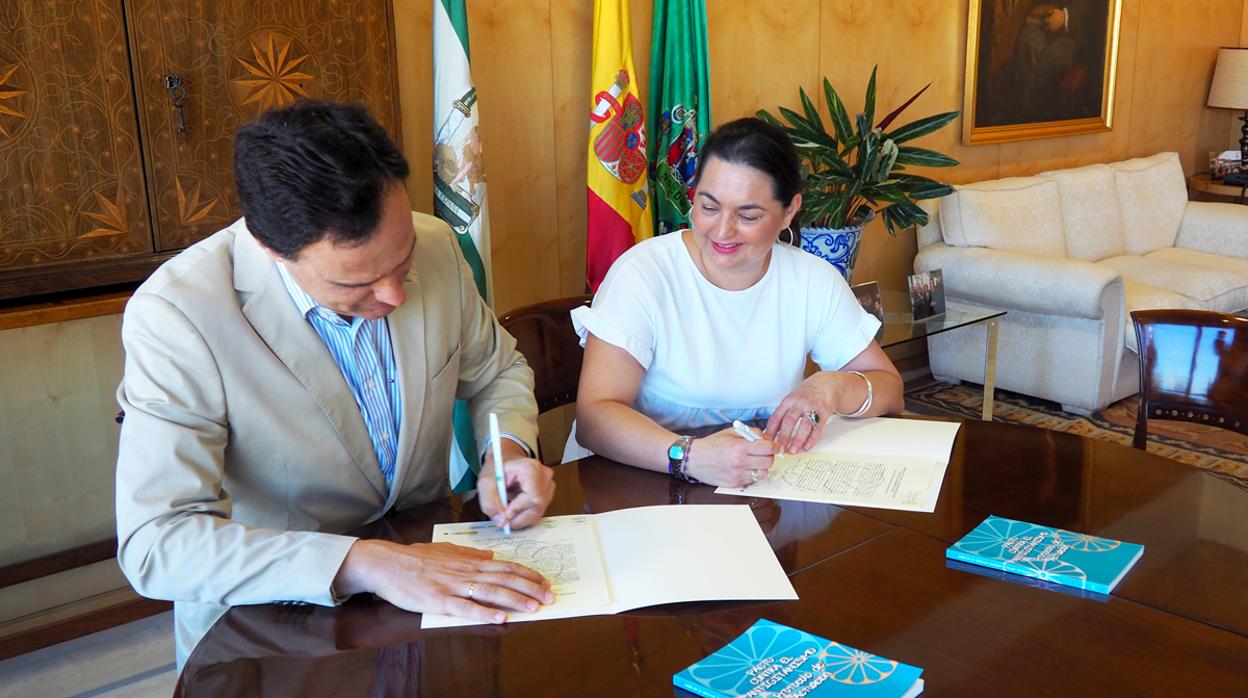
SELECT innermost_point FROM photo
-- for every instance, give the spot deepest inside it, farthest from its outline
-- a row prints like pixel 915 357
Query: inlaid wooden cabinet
pixel 117 120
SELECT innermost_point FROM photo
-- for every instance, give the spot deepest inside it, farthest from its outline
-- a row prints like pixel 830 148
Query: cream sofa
pixel 1069 254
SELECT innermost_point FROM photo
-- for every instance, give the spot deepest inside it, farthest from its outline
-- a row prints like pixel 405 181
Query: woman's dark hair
pixel 755 143
pixel 314 168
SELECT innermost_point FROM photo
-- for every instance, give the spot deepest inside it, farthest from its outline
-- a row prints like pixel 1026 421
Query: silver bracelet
pixel 866 404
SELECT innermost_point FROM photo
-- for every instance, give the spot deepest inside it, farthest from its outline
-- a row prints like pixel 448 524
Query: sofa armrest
pixel 1214 227
pixel 1017 281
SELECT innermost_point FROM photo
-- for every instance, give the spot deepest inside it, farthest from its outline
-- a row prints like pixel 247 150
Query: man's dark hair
pixel 314 168
pixel 755 143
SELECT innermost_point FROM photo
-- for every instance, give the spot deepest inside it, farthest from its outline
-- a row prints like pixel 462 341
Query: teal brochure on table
pixel 1051 554
pixel 770 659
pixel 1020 580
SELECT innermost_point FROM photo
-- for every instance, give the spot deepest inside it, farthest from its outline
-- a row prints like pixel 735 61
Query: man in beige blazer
pixel 247 452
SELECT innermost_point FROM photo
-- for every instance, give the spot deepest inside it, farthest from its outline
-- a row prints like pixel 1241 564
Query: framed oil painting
pixel 1039 69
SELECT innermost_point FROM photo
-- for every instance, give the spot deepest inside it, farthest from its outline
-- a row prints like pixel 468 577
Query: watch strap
pixel 676 465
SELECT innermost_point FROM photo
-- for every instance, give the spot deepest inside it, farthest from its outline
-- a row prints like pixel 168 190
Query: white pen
pixel 497 447
pixel 744 431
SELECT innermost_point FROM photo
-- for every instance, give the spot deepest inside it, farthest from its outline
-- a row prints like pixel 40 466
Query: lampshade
pixel 1230 79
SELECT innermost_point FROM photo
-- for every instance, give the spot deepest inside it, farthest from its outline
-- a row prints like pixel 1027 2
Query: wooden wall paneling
pixel 58 440
pixel 511 42
pixel 1174 65
pixel 127 608
pixel 70 182
pixel 1232 117
pixel 760 53
pixel 641 27
pixel 572 26
pixel 63 309
pixel 413 31
pixel 58 596
pixel 237 59
pixel 1029 157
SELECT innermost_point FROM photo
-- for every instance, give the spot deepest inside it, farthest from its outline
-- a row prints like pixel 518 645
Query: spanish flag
pixel 619 199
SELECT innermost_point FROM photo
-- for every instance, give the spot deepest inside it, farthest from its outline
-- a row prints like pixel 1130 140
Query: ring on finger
pixel 813 416
pixel 472 589
pixel 753 476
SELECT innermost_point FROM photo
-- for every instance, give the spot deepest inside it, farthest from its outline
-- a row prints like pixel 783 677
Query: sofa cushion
pixel 1213 289
pixel 1153 193
pixel 929 234
pixel 1196 258
pixel 1018 214
pixel 1091 214
pixel 1140 296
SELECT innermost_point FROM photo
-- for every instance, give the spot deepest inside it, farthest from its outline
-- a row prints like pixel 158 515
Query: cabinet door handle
pixel 176 88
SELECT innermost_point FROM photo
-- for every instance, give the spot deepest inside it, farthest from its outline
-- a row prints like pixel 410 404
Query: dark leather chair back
pixel 1193 367
pixel 544 334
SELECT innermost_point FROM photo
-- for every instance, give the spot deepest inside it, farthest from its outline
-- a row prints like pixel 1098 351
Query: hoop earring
pixel 793 239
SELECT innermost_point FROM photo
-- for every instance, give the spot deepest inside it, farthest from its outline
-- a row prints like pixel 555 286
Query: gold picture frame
pixel 1039 69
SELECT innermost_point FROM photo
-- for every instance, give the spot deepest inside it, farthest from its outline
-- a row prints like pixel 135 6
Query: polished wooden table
pixel 873 579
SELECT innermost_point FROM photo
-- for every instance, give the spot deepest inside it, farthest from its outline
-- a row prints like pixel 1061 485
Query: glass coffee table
pixel 898 328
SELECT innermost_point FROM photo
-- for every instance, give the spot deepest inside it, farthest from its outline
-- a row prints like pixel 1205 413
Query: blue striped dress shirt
pixel 364 354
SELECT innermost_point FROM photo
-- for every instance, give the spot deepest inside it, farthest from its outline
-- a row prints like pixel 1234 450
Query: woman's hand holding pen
pixel 728 460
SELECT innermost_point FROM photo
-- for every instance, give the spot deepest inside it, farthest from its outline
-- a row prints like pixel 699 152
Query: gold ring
pixel 472 589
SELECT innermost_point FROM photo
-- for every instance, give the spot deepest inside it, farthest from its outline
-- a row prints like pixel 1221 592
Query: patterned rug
pixel 1222 452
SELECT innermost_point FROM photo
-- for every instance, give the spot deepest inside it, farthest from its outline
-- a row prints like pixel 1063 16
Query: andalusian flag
pixel 680 107
pixel 459 187
pixel 619 199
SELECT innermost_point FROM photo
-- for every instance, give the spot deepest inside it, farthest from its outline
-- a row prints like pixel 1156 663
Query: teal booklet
pixel 1050 554
pixel 770 659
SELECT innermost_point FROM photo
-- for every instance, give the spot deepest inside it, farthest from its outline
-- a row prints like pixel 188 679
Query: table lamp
pixel 1230 90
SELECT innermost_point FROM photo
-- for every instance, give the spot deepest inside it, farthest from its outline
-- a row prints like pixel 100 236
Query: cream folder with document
pixel 630 558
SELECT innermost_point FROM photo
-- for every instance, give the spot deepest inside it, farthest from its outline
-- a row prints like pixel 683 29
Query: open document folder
pixel 878 462
pixel 620 560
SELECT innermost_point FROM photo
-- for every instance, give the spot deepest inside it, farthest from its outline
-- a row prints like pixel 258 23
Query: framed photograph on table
pixel 927 294
pixel 1039 69
pixel 868 295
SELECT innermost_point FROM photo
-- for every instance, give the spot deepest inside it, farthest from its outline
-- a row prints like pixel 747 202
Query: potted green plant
pixel 858 170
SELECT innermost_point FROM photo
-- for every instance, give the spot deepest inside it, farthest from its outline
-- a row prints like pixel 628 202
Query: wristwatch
pixel 678 456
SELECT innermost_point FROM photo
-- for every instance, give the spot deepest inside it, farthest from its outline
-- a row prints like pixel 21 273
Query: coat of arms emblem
pixel 621 143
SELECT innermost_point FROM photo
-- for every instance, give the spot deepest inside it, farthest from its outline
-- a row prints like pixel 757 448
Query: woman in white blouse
pixel 712 324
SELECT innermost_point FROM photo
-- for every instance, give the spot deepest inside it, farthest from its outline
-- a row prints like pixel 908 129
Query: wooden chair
pixel 544 334
pixel 1193 367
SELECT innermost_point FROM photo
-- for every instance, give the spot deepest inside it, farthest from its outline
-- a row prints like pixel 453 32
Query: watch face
pixel 676 451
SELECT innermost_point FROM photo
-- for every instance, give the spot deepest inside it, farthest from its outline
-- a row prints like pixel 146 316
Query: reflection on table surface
pixel 873 579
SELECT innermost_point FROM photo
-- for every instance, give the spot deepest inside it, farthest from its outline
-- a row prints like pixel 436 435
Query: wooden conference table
pixel 877 580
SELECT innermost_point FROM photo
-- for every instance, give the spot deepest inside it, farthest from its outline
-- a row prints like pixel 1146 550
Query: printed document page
pixel 620 560
pixel 878 462
pixel 564 549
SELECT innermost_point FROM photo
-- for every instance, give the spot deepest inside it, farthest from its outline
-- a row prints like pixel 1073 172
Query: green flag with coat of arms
pixel 680 108
pixel 459 188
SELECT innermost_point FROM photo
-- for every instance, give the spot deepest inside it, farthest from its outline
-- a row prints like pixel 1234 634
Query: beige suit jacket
pixel 243 455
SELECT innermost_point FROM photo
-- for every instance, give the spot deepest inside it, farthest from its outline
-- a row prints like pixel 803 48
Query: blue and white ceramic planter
pixel 839 246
